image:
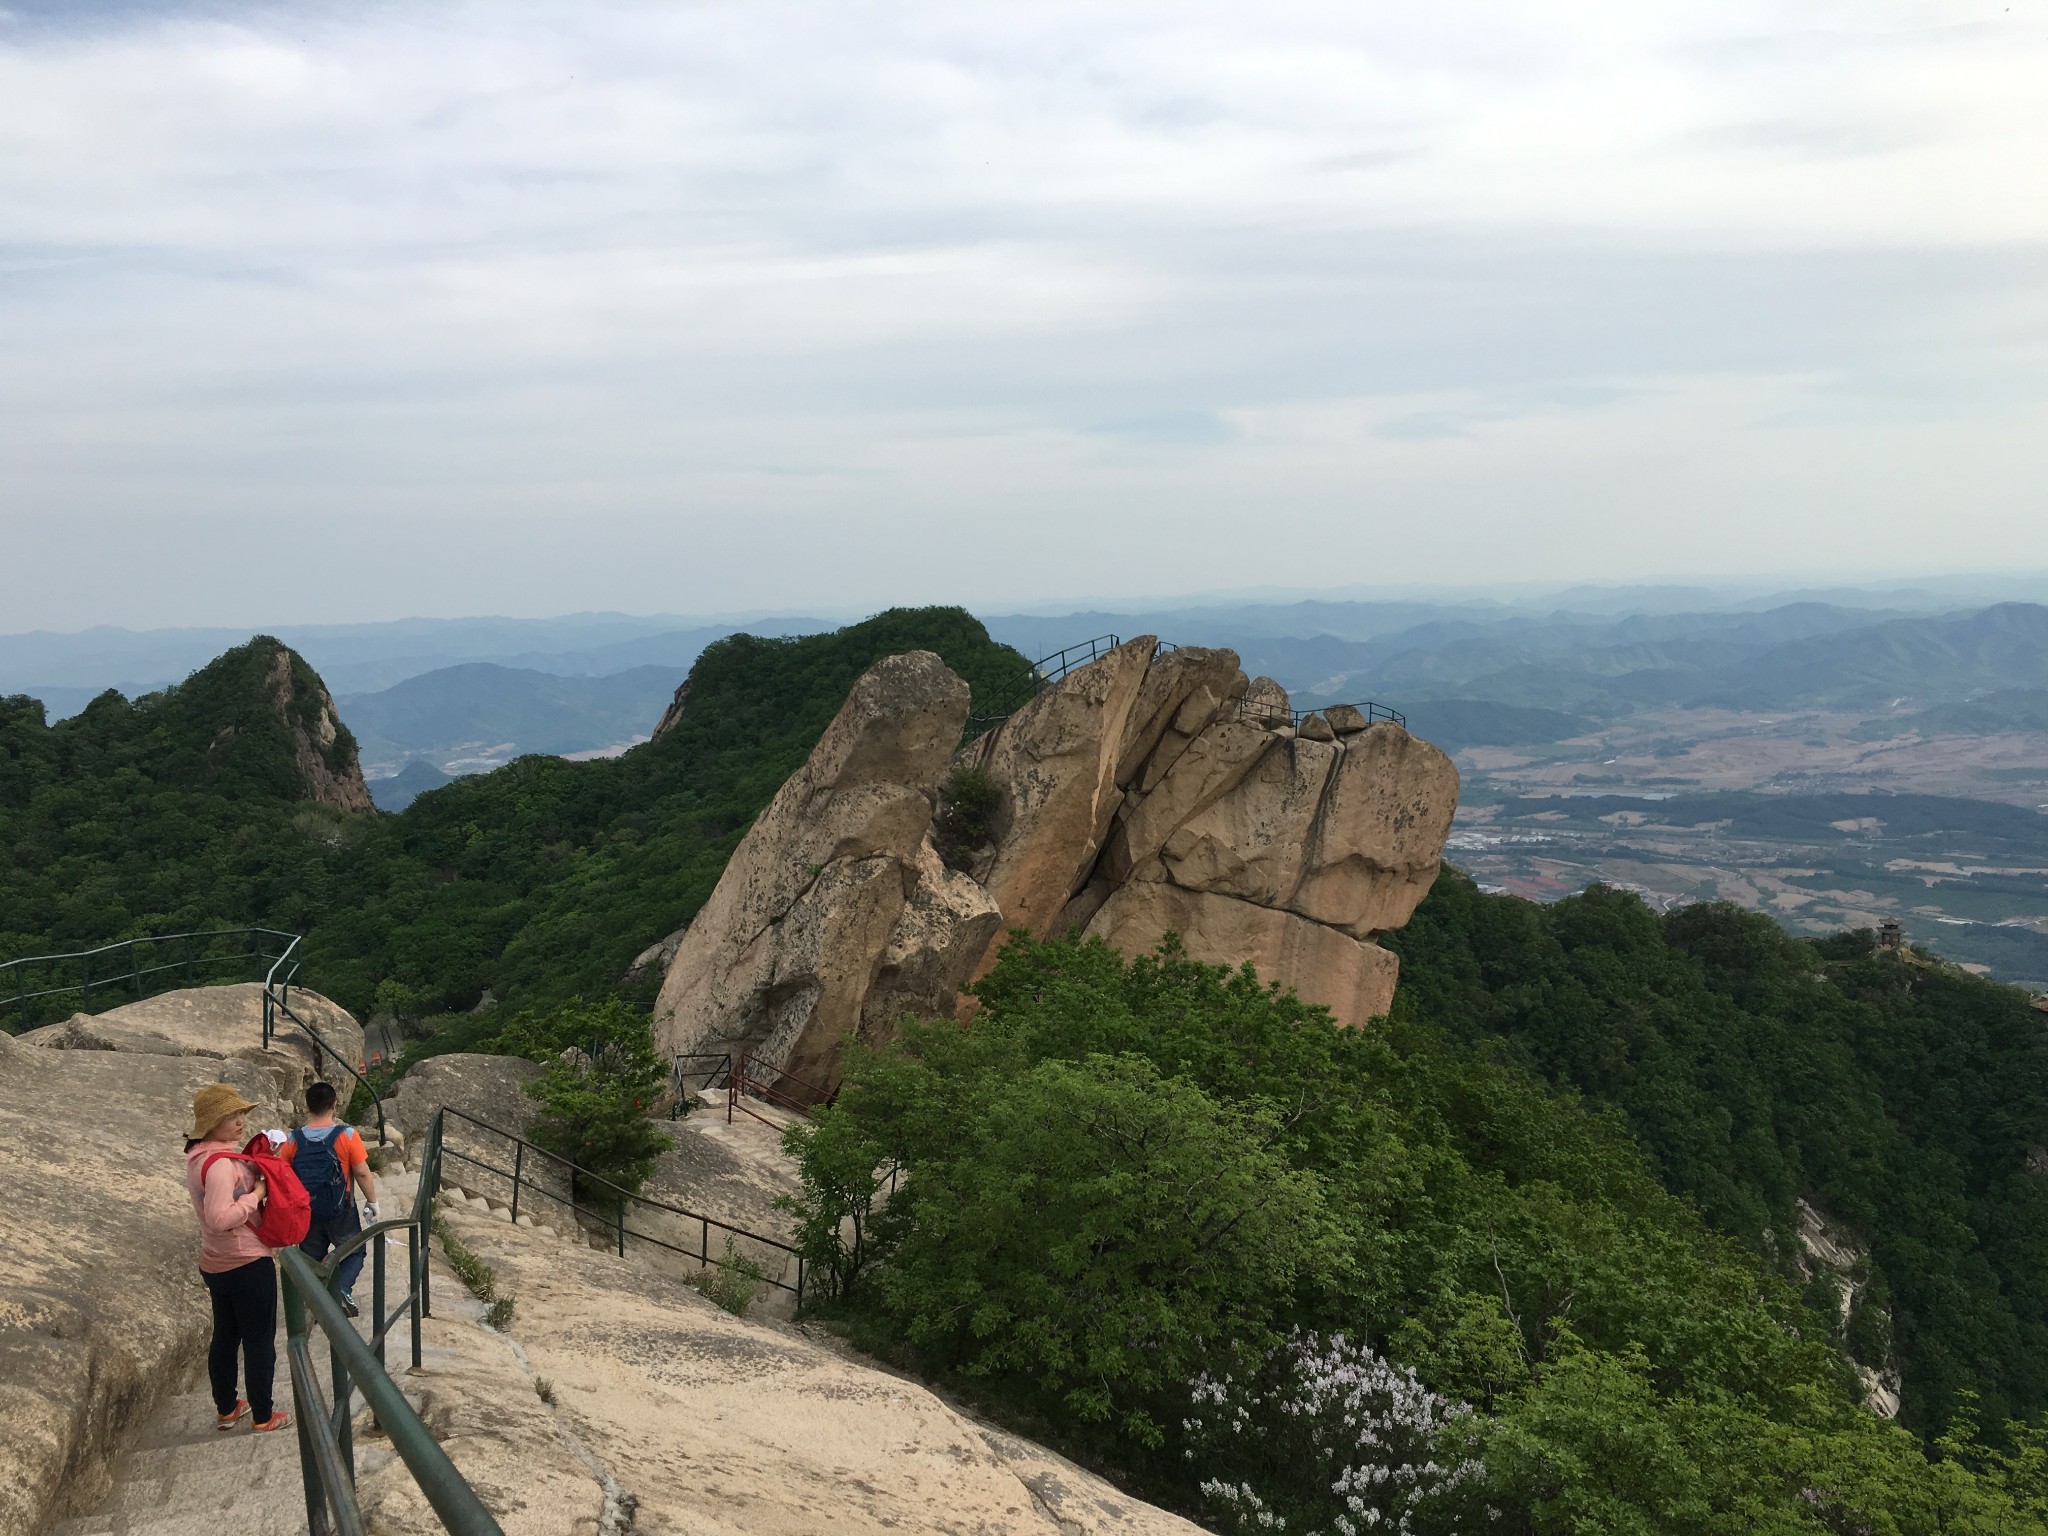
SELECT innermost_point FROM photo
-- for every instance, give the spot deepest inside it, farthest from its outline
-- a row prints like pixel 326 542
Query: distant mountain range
pixel 465 694
pixel 485 713
pixel 399 790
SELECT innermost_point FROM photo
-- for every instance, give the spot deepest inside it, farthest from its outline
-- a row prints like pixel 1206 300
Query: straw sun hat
pixel 213 1104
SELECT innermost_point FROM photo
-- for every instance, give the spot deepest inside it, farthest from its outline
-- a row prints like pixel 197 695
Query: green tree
pixel 1068 1155
pixel 602 1077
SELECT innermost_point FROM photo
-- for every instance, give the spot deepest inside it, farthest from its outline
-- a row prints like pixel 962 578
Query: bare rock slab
pixel 783 957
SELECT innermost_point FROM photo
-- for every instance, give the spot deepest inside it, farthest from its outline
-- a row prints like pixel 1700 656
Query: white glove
pixel 369 1210
pixel 277 1138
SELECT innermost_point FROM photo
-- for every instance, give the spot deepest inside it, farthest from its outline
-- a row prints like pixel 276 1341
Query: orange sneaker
pixel 278 1419
pixel 227 1421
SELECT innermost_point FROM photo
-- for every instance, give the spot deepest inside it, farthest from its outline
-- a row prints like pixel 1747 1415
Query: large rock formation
pixel 225 1022
pixel 1150 793
pixel 1154 790
pixel 835 913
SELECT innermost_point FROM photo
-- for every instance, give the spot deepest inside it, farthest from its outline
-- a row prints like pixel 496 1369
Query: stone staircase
pixel 180 1476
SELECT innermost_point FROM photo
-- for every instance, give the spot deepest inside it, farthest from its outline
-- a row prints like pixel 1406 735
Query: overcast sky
pixel 335 313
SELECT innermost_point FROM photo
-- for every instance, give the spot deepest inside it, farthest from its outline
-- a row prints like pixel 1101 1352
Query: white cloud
pixel 775 304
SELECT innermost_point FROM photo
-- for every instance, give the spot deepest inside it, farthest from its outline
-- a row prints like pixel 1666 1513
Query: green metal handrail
pixel 327 1433
pixel 621 1197
pixel 276 971
pixel 92 971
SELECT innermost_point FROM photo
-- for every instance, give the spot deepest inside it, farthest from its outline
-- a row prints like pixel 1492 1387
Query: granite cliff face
pixel 324 753
pixel 835 914
pixel 1166 793
pixel 1155 790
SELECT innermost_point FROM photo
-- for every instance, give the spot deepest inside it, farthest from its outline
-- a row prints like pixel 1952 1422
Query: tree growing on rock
pixel 602 1077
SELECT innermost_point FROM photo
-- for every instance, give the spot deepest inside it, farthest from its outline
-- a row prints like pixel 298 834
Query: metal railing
pixel 614 1221
pixel 161 962
pixel 129 970
pixel 1046 670
pixel 277 1003
pixel 687 1073
pixel 771 1085
pixel 750 1078
pixel 1272 715
pixel 325 1415
pixel 1050 669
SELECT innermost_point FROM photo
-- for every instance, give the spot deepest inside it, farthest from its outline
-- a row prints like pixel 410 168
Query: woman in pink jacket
pixel 239 1273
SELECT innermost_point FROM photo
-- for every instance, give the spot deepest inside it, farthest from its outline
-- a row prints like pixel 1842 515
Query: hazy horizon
pixel 1962 588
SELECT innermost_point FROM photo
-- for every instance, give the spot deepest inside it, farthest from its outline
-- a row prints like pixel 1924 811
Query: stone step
pixel 181 1476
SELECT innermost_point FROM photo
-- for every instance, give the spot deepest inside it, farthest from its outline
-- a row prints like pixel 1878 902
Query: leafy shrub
pixel 965 823
pixel 730 1280
pixel 602 1077
pixel 840 1166
pixel 1125 1177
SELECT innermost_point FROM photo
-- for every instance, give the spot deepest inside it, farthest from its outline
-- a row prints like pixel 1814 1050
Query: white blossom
pixel 1324 1413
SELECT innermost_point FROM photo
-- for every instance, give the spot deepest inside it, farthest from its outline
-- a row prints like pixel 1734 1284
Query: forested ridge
pixel 1288 1276
pixel 1901 1097
pixel 539 882
pixel 1557 1192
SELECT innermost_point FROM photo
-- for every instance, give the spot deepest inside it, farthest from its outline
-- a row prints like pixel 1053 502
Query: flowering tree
pixel 1328 1439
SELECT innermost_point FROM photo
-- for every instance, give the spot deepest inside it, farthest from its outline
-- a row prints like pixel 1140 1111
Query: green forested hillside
pixel 539 881
pixel 1899 1098
pixel 1289 1276
pixel 184 809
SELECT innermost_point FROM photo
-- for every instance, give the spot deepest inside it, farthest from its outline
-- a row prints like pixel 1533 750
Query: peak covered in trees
pixel 193 807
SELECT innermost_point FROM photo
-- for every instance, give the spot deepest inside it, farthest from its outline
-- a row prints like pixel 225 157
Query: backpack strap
pixel 207 1166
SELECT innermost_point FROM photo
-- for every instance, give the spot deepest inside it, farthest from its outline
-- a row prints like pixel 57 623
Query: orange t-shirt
pixel 348 1151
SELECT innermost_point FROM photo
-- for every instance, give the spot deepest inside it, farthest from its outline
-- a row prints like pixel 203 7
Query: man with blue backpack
pixel 329 1157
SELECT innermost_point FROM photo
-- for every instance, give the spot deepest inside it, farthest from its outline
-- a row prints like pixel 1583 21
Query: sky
pixel 316 314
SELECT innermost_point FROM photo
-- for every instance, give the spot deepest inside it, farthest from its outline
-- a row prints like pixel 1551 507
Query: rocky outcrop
pixel 224 1022
pixel 1214 817
pixel 1153 791
pixel 1355 981
pixel 834 913
pixel 491 1089
pixel 1829 1250
pixel 101 1309
pixel 655 959
pixel 324 752
pixel 673 715
pixel 1054 765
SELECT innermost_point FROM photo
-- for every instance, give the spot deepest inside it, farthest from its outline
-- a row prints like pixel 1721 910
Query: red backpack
pixel 287 1212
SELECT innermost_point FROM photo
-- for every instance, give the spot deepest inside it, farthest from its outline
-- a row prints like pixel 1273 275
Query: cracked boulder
pixel 1157 791
pixel 834 916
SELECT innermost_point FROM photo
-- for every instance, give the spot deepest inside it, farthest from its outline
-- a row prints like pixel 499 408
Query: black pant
pixel 245 1318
